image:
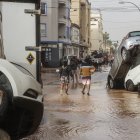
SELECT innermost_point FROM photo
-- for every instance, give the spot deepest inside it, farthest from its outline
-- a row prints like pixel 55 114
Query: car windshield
pixel 132 34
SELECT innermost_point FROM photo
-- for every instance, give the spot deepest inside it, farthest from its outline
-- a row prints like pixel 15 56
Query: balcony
pixel 62 2
pixel 62 38
pixel 62 20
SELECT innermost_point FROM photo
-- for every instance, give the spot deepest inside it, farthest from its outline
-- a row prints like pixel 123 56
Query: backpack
pixel 66 71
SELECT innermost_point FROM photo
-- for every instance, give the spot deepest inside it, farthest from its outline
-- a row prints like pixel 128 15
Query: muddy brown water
pixel 105 115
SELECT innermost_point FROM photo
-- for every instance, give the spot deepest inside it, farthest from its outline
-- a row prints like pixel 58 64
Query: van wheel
pixel 130 86
pixel 125 55
pixel 111 83
pixel 3 102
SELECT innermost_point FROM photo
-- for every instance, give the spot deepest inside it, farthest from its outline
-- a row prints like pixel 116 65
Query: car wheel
pixel 130 85
pixel 125 55
pixel 111 83
pixel 3 102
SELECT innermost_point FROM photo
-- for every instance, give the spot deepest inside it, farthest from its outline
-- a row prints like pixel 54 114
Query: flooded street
pixel 105 115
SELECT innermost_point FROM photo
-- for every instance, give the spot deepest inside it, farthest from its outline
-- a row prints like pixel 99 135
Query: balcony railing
pixel 62 2
pixel 62 19
pixel 62 38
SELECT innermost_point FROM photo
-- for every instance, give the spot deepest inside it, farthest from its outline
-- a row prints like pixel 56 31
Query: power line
pixel 103 1
pixel 120 27
pixel 115 9
pixel 121 21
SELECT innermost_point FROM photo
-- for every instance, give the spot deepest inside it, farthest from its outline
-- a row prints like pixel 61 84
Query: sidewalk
pixel 49 76
pixel 48 70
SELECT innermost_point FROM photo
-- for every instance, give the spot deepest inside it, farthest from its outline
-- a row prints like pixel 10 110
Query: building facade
pixel 55 31
pixel 75 39
pixel 96 32
pixel 80 15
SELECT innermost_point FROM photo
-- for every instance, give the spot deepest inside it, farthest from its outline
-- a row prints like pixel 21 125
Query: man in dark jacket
pixel 74 65
pixel 65 73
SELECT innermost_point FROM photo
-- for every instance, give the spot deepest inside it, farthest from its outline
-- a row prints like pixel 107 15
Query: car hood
pixel 20 82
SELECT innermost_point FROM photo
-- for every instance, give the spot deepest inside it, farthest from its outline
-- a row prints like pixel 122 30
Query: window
pixel 43 30
pixel 44 8
pixel 132 34
pixel 48 55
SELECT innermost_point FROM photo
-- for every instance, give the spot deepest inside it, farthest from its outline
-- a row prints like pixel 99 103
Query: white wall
pixel 19 30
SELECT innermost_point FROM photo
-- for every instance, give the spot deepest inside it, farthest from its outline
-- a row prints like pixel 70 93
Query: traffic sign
pixel 30 58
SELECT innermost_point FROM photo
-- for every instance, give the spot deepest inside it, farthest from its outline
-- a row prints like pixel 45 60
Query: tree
pixel 105 36
pixel 106 40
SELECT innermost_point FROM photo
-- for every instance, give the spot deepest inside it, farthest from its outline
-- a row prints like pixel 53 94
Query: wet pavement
pixel 105 115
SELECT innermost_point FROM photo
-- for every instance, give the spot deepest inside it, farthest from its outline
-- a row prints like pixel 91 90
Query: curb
pixel 48 70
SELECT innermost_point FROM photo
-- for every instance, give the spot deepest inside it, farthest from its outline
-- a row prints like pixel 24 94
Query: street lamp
pixel 123 2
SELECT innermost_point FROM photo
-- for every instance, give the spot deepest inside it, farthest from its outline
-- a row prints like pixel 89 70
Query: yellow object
pixel 87 70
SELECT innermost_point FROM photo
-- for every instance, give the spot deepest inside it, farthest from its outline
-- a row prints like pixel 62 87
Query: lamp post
pixel 123 2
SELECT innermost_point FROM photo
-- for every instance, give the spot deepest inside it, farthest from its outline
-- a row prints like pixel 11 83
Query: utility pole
pixel 123 2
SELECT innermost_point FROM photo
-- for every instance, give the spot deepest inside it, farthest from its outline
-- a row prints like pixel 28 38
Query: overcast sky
pixel 118 19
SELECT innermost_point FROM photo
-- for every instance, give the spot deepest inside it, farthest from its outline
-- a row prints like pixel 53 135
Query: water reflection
pixel 105 115
pixel 124 103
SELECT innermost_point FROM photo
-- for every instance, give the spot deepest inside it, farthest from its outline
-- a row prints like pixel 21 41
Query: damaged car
pixel 124 54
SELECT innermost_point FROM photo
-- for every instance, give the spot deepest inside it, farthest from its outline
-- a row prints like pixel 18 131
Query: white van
pixel 21 106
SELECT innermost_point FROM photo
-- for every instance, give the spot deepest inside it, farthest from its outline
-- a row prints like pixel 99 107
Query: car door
pixel 134 75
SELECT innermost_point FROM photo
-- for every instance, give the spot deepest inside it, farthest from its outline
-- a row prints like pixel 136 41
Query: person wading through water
pixel 65 73
pixel 86 70
pixel 74 65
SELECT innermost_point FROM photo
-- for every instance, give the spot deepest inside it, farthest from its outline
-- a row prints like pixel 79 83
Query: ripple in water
pixel 44 133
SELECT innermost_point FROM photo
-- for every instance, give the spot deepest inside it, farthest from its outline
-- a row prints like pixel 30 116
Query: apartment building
pixel 55 31
pixel 96 32
pixel 80 15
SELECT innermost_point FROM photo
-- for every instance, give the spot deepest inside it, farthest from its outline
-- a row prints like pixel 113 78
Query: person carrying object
pixel 86 70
